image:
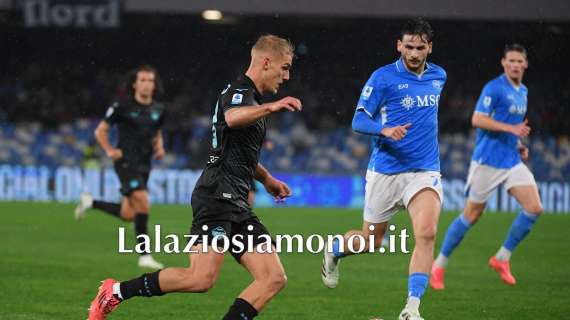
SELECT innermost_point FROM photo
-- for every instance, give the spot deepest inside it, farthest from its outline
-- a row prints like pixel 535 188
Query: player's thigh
pixel 382 197
pixel 522 186
pixel 528 198
pixel 424 209
pixel 205 263
pixel 482 180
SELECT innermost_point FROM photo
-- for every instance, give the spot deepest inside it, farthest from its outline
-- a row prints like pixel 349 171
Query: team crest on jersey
pixel 407 102
pixel 367 92
pixel 487 101
pixel 436 84
pixel 155 115
pixel 237 98
pixel 218 232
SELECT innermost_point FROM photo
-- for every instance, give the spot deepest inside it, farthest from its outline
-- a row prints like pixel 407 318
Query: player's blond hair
pixel 273 44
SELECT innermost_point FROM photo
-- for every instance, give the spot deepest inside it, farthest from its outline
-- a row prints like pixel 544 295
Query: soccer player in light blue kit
pixel 500 121
pixel 398 107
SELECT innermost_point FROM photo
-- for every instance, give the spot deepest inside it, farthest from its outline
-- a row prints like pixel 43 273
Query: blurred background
pixel 63 63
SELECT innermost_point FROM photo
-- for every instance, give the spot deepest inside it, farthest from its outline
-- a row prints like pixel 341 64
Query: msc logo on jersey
pixel 366 92
pixel 520 109
pixel 436 84
pixel 428 100
pixel 407 102
pixel 237 98
pixel 487 101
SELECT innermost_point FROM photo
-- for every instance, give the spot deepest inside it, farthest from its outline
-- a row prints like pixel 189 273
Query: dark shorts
pixel 214 218
pixel 131 178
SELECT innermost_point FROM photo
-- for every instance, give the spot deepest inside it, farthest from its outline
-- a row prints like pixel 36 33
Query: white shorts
pixel 483 180
pixel 385 194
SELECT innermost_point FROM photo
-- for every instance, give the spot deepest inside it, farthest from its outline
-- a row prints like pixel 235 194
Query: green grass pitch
pixel 51 265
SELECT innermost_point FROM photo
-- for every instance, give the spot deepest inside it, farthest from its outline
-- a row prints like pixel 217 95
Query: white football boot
pixel 85 203
pixel 329 270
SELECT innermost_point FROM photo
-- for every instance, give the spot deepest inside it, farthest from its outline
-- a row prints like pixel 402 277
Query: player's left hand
pixel 278 189
pixel 523 150
pixel 159 154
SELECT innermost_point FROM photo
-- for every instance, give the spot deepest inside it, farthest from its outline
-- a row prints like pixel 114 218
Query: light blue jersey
pixel 503 102
pixel 394 96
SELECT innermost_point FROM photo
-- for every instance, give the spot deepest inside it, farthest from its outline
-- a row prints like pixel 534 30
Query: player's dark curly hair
pixel 417 27
pixel 132 78
pixel 514 47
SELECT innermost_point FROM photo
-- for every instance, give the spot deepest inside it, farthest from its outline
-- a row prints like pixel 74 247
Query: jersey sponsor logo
pixel 403 86
pixel 237 98
pixel 436 84
pixel 366 92
pixel 511 97
pixel 408 102
pixel 487 101
pixel 519 109
pixel 428 100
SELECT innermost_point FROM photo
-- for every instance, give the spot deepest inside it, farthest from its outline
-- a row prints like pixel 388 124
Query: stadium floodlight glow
pixel 212 15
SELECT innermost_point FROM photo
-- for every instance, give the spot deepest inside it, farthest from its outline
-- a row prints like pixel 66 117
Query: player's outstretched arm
pixel 102 137
pixel 277 188
pixel 482 121
pixel 245 116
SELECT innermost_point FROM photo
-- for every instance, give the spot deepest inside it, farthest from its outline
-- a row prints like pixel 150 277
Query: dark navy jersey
pixel 137 125
pixel 234 153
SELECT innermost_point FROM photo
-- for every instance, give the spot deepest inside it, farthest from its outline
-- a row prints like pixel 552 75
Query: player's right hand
pixel 287 103
pixel 521 130
pixel 115 154
pixel 396 133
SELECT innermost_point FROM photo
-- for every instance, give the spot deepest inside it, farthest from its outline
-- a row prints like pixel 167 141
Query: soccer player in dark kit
pixel 220 198
pixel 138 119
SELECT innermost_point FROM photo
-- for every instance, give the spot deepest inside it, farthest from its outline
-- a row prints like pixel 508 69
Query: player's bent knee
pixel 426 234
pixel 275 281
pixel 536 209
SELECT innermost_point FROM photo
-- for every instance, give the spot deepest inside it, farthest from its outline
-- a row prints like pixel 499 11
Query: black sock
pixel 143 286
pixel 241 310
pixel 141 220
pixel 113 209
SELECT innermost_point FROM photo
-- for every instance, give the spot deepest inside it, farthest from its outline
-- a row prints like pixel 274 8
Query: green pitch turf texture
pixel 51 265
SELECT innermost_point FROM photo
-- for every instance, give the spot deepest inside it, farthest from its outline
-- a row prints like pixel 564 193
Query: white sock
pixel 503 254
pixel 441 261
pixel 413 303
pixel 117 290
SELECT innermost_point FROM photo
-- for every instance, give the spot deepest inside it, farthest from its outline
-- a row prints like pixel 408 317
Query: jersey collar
pixel 401 67
pixel 256 93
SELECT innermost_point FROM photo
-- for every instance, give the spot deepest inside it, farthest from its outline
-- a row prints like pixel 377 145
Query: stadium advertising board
pixel 169 186
pixel 70 13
